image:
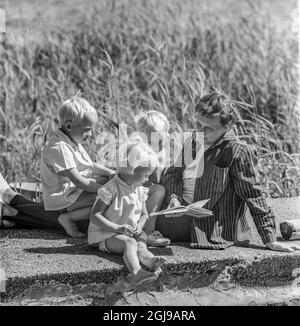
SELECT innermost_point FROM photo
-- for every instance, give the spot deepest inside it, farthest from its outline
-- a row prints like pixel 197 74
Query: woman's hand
pixel 174 202
pixel 278 246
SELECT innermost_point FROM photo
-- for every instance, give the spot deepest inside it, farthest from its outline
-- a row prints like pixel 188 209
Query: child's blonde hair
pixel 136 153
pixel 152 121
pixel 75 108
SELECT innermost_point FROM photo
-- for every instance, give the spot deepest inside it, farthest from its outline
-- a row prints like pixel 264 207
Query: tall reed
pixel 150 55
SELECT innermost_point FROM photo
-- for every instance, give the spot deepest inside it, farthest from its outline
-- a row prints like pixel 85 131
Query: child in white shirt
pixel 67 172
pixel 120 212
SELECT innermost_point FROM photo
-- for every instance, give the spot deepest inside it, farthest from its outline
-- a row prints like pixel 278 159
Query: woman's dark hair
pixel 217 104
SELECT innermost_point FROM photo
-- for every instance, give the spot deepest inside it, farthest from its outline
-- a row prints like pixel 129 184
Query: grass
pixel 133 55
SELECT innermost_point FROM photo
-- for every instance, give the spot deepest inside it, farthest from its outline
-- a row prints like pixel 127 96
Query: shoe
pixel 156 239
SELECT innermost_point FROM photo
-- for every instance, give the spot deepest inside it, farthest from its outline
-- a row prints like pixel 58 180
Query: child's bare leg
pixel 68 221
pixel 153 203
pixel 148 259
pixel 123 244
pixel 128 246
pixel 78 211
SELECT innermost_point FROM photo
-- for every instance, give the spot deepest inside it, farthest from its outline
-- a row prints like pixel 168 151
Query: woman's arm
pixel 173 183
pixel 245 182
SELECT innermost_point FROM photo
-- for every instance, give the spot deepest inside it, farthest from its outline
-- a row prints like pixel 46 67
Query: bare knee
pixel 130 243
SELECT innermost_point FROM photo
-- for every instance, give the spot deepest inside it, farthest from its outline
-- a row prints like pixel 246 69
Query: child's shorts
pixel 140 238
pixel 102 246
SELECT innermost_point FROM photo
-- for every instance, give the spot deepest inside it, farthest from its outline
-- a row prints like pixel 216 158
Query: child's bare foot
pixel 157 261
pixel 69 226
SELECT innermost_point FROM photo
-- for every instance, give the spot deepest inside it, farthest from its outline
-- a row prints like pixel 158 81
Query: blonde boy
pixel 67 171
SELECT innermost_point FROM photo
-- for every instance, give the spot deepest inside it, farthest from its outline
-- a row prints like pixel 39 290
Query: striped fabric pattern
pixel 230 181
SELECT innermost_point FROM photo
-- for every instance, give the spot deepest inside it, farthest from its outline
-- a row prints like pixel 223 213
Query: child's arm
pixel 98 219
pixel 143 219
pixel 79 181
pixel 102 170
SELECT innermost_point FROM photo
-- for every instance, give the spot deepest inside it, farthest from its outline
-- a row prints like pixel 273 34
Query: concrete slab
pixel 30 257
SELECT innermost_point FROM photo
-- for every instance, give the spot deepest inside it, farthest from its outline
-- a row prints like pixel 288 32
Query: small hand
pixel 278 246
pixel 138 230
pixel 126 229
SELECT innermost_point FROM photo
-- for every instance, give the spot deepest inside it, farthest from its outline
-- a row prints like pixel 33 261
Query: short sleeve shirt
pixel 62 154
pixel 125 204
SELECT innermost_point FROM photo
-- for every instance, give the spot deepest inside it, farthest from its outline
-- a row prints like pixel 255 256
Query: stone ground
pixel 39 263
pixel 65 295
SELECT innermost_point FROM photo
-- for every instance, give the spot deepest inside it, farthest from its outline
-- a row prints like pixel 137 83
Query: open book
pixel 196 210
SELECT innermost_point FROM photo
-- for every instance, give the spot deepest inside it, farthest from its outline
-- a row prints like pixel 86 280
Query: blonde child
pixel 153 124
pixel 119 214
pixel 67 172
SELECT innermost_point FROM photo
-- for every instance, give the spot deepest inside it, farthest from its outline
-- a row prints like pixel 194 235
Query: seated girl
pixel 119 214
